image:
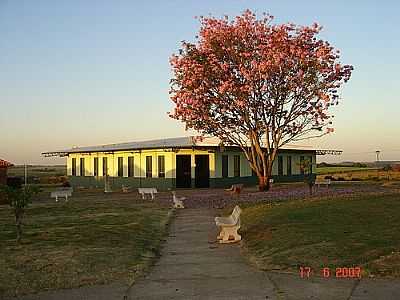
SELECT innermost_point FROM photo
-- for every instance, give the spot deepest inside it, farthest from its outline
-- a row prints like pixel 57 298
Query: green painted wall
pixel 253 180
pixel 163 184
pixel 116 183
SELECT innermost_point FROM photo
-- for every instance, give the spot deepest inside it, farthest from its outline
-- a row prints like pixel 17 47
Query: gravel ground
pixel 218 198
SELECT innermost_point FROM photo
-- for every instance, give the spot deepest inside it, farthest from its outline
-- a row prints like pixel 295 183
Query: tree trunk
pixel 310 186
pixel 18 224
pixel 263 184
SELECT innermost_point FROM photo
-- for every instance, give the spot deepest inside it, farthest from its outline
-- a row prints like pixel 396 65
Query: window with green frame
pixel 105 166
pixel 149 166
pixel 120 166
pixel 161 166
pixel 288 165
pixel 280 165
pixel 73 167
pixel 131 167
pixel 96 166
pixel 236 165
pixel 224 166
pixel 82 166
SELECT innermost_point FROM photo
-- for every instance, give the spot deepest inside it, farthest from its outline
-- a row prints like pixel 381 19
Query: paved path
pixel 194 266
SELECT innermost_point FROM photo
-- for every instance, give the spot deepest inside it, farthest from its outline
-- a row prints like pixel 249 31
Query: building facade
pixel 4 165
pixel 177 163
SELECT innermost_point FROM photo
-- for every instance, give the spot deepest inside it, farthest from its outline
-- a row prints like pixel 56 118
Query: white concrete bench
pixel 63 192
pixel 144 191
pixel 178 201
pixel 326 182
pixel 229 226
pixel 235 188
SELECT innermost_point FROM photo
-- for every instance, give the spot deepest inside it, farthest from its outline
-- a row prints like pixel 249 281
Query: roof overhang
pixel 173 143
pixel 328 152
pixel 55 153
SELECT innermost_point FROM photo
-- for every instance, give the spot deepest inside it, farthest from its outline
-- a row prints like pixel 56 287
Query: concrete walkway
pixel 194 266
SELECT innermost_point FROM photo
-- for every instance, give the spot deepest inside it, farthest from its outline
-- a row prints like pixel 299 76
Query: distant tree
pixel 387 168
pixel 306 167
pixel 19 199
pixel 359 165
pixel 257 85
pixel 323 165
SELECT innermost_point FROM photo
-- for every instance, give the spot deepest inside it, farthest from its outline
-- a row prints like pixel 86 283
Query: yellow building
pixel 185 162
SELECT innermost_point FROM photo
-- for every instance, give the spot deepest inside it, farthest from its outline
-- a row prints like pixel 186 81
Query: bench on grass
pixel 235 189
pixel 62 192
pixel 178 201
pixel 150 191
pixel 229 226
pixel 326 182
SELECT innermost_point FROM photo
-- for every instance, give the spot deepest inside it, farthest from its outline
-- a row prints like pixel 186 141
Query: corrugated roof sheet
pixel 178 142
pixel 5 164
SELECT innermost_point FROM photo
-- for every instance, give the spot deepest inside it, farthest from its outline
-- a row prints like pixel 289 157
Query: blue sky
pixel 92 72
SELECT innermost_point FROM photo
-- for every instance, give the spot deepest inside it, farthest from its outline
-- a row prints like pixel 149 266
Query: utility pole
pixel 26 174
pixel 377 161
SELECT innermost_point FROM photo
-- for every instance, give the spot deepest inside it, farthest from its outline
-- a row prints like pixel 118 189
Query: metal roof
pixel 5 164
pixel 178 142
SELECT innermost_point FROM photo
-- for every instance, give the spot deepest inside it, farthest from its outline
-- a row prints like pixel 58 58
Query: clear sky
pixel 75 73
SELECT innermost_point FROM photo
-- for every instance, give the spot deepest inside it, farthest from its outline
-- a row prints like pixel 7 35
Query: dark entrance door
pixel 183 171
pixel 202 171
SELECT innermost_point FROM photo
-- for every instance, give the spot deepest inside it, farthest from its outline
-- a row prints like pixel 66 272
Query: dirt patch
pixel 387 265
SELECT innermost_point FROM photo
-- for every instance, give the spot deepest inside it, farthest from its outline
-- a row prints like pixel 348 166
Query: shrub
pixel 19 199
pixel 359 165
pixel 14 182
pixel 66 184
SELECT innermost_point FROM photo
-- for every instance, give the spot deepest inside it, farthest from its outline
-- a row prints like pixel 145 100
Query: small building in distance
pixel 4 165
pixel 184 162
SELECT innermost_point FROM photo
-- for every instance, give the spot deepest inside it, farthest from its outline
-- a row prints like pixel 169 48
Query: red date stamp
pixel 342 272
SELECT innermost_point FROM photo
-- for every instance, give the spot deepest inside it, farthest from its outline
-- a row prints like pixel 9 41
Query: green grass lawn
pixel 81 242
pixel 344 232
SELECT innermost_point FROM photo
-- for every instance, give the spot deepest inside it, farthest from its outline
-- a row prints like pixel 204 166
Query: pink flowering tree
pixel 257 85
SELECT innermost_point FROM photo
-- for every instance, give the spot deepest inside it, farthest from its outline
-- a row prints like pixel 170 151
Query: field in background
pixel 333 170
pixel 92 239
pixel 40 174
pixel 357 174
